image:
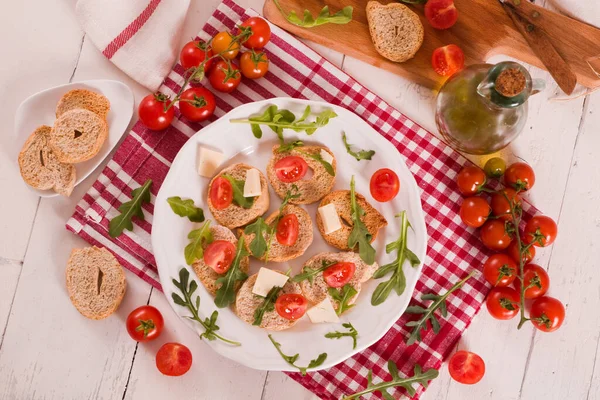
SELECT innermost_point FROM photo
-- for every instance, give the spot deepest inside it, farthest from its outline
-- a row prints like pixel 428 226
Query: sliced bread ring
pixel 372 218
pixel 235 216
pixel 206 274
pixel 279 252
pixel 247 302
pixel 83 98
pixel 312 189
pixel 77 136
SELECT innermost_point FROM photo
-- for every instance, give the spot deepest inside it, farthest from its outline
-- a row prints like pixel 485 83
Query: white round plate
pixel 169 233
pixel 40 109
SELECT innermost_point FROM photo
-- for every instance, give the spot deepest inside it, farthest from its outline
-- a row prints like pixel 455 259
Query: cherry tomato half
pixel 173 359
pixel 537 281
pixel 223 45
pixel 540 230
pixel 513 251
pixel 152 111
pixel 339 274
pixel 291 169
pixel 495 234
pixel 466 367
pixel 384 185
pixel 219 255
pixel 145 323
pixel 503 302
pixel 500 270
pixel 519 176
pixel 474 211
pixel 448 60
pixel 291 306
pixel 501 203
pixel 441 14
pixel 221 193
pixel 197 104
pixel 254 65
pixel 288 228
pixel 470 180
pixel 194 53
pixel 547 314
pixel 225 77
pixel 261 33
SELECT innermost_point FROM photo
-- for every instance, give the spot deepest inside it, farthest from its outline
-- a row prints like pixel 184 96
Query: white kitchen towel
pixel 138 36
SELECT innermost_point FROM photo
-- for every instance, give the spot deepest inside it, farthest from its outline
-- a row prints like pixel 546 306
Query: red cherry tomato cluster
pixel 216 60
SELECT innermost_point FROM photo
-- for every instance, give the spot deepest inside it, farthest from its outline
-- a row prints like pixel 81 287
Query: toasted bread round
pixel 95 282
pixel 279 252
pixel 206 274
pixel 312 189
pixel 247 302
pixel 82 98
pixel 318 290
pixel 372 219
pixel 77 136
pixel 396 31
pixel 40 168
pixel 235 216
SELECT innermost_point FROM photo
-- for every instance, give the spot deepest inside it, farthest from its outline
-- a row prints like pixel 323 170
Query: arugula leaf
pixel 198 239
pixel 267 305
pixel 187 289
pixel 292 359
pixel 186 208
pixel 360 234
pixel 342 297
pixel 341 17
pixel 226 292
pixel 258 245
pixel 310 273
pixel 289 195
pixel 361 155
pixel 397 281
pixel 317 156
pixel 238 192
pixel 285 147
pixel 353 333
pixel 130 209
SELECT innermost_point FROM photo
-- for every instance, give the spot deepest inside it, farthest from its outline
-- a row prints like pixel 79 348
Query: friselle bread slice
pixel 39 167
pixel 77 136
pixel 235 216
pixel 396 31
pixel 279 252
pixel 318 290
pixel 206 274
pixel 95 282
pixel 310 189
pixel 247 302
pixel 372 218
pixel 82 98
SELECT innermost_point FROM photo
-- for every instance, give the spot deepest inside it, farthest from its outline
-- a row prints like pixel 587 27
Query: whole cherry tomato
pixel 221 193
pixel 466 367
pixel 339 274
pixel 384 185
pixel 441 14
pixel 194 53
pixel 197 104
pixel 503 302
pixel 145 323
pixel 260 32
pixel 501 203
pixel 540 230
pixel 173 359
pixel 152 111
pixel 474 211
pixel 470 180
pixel 291 306
pixel 547 314
pixel 219 255
pixel 448 60
pixel 537 281
pixel 495 234
pixel 291 169
pixel 288 228
pixel 225 77
pixel 495 167
pixel 513 251
pixel 519 176
pixel 254 65
pixel 500 270
pixel 224 45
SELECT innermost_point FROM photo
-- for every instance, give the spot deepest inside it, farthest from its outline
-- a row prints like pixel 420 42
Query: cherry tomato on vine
pixel 173 359
pixel 474 211
pixel 219 255
pixel 503 302
pixel 145 323
pixel 513 251
pixel 540 230
pixel 254 65
pixel 500 270
pixel 547 314
pixel 537 281
pixel 221 193
pixel 288 228
pixel 152 111
pixel 384 185
pixel 194 53
pixel 495 234
pixel 494 167
pixel 470 180
pixel 225 77
pixel 441 14
pixel 501 203
pixel 339 274
pixel 291 306
pixel 448 60
pixel 224 45
pixel 197 104
pixel 261 33
pixel 466 367
pixel 291 169
pixel 519 176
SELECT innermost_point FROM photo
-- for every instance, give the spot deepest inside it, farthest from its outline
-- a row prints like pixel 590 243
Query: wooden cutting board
pixel 483 30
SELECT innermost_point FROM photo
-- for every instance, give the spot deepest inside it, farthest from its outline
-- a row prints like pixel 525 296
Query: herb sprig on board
pixel 359 235
pixel 130 209
pixel 308 21
pixel 352 332
pixel 292 359
pixel 361 155
pixel 198 239
pixel 186 208
pixel 342 297
pixel 267 305
pixel 226 292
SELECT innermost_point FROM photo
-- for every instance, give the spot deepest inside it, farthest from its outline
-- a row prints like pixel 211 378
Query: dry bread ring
pixel 77 136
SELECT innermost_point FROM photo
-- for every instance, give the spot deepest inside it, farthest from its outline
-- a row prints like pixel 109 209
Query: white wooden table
pixel 47 350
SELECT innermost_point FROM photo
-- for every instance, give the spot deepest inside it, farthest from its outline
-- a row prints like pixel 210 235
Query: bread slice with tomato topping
pixel 334 270
pixel 298 167
pixel 208 275
pixel 246 304
pixel 226 201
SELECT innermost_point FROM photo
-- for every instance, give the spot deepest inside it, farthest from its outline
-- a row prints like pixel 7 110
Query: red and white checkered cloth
pixel 297 71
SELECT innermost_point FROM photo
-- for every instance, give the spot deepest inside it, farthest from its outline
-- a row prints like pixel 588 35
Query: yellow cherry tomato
pixel 223 45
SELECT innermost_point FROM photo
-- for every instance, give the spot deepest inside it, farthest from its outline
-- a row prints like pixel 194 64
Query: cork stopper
pixel 510 82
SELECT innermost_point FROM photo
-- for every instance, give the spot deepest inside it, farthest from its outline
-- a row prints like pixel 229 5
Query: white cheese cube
pixel 252 184
pixel 267 279
pixel 326 156
pixel 208 161
pixel 330 218
pixel 323 312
